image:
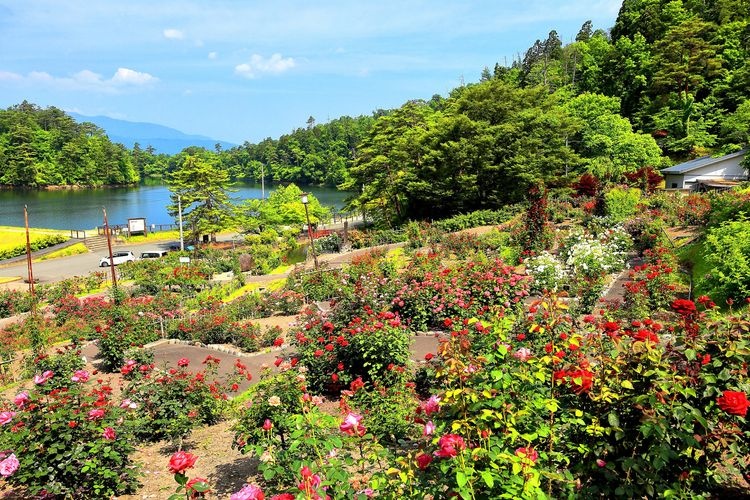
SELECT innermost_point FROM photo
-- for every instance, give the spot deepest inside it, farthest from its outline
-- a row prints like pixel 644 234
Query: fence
pixel 123 228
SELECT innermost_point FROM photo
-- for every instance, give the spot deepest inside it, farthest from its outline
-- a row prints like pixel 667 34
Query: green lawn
pixel 11 237
pixel 692 256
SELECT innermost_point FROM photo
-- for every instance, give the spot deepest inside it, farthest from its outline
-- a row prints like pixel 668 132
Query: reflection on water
pixel 82 208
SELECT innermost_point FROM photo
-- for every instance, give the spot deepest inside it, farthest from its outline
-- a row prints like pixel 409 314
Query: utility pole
pixel 109 246
pixel 305 201
pixel 28 260
pixel 179 209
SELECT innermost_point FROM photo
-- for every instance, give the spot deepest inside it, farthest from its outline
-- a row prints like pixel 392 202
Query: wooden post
pixel 28 260
pixel 109 246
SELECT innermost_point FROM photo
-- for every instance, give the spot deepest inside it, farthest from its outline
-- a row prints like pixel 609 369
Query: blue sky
pixel 245 70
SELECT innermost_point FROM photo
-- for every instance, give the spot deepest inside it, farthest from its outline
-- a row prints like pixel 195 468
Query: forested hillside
pixel 670 81
pixel 43 147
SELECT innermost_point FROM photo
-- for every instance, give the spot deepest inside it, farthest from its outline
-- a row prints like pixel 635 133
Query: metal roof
pixel 691 165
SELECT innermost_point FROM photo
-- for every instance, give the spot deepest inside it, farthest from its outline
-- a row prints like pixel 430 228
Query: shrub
pixel 547 272
pixel 171 403
pixel 14 302
pixel 374 347
pixel 694 210
pixel 70 442
pixel 388 410
pixel 276 398
pixel 328 244
pixel 621 204
pixel 728 206
pixel 63 364
pixel 477 218
pixel 316 285
pixel 727 254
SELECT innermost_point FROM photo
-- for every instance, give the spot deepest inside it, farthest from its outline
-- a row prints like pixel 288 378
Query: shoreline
pixel 63 187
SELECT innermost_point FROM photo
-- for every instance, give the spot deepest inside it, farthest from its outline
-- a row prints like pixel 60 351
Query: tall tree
pixel 203 189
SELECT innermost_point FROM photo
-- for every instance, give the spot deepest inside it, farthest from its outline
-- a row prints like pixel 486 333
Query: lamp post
pixel 305 201
pixel 179 208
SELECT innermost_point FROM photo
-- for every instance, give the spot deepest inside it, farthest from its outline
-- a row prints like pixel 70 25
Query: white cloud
pixel 8 76
pixel 84 80
pixel 125 76
pixel 173 34
pixel 213 55
pixel 259 64
pixel 88 77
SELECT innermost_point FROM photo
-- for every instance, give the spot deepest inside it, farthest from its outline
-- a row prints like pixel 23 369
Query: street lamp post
pixel 305 201
pixel 179 208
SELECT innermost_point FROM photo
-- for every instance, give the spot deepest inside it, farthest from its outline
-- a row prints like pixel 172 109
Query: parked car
pixel 154 254
pixel 117 258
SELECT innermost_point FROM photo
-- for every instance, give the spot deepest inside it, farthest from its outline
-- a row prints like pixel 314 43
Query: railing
pixel 123 228
pixel 77 234
pixel 163 227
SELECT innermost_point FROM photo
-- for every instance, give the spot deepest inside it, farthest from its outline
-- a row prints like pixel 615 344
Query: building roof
pixel 689 166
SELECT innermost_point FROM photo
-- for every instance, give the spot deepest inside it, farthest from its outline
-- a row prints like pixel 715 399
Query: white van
pixel 153 254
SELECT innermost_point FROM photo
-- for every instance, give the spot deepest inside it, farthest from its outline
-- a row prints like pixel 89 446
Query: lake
pixel 82 208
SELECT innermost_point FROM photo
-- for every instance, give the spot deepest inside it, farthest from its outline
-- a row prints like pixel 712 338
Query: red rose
pixel 428 356
pixel 734 403
pixel 182 362
pixel 684 307
pixel 450 445
pixel 423 461
pixel 181 461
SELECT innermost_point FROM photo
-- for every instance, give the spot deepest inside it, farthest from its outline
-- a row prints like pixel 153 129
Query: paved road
pixel 49 271
pixel 54 270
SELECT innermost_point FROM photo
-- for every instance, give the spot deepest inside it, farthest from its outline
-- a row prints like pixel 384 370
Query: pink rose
pixel 429 428
pixel 183 362
pixel 21 399
pixel 523 354
pixel 432 405
pixel 351 425
pixel 41 379
pixel 96 414
pixel 109 434
pixel 80 376
pixel 267 425
pixel 6 416
pixel 248 492
pixel 9 465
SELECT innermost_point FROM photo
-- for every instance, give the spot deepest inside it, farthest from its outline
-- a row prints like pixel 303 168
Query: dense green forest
pixel 42 147
pixel 670 81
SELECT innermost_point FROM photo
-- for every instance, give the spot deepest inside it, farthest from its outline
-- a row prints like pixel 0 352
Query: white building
pixel 707 170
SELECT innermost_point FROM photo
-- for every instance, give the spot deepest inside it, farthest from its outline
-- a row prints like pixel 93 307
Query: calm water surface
pixel 82 209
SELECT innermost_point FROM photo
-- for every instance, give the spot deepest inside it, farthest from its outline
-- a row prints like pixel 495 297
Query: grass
pixel 283 268
pixel 157 236
pixel 250 287
pixel 692 255
pixel 11 237
pixel 276 285
pixel 76 249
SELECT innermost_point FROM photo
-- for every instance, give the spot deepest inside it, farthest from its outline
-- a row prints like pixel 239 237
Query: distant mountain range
pixel 162 139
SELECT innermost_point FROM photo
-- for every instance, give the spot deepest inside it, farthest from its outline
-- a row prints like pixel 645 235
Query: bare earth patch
pixel 224 468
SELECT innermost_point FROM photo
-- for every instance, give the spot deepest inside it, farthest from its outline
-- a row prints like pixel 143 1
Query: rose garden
pixel 550 378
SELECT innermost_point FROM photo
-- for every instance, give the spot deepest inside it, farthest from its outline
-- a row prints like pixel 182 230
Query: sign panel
pixel 137 225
